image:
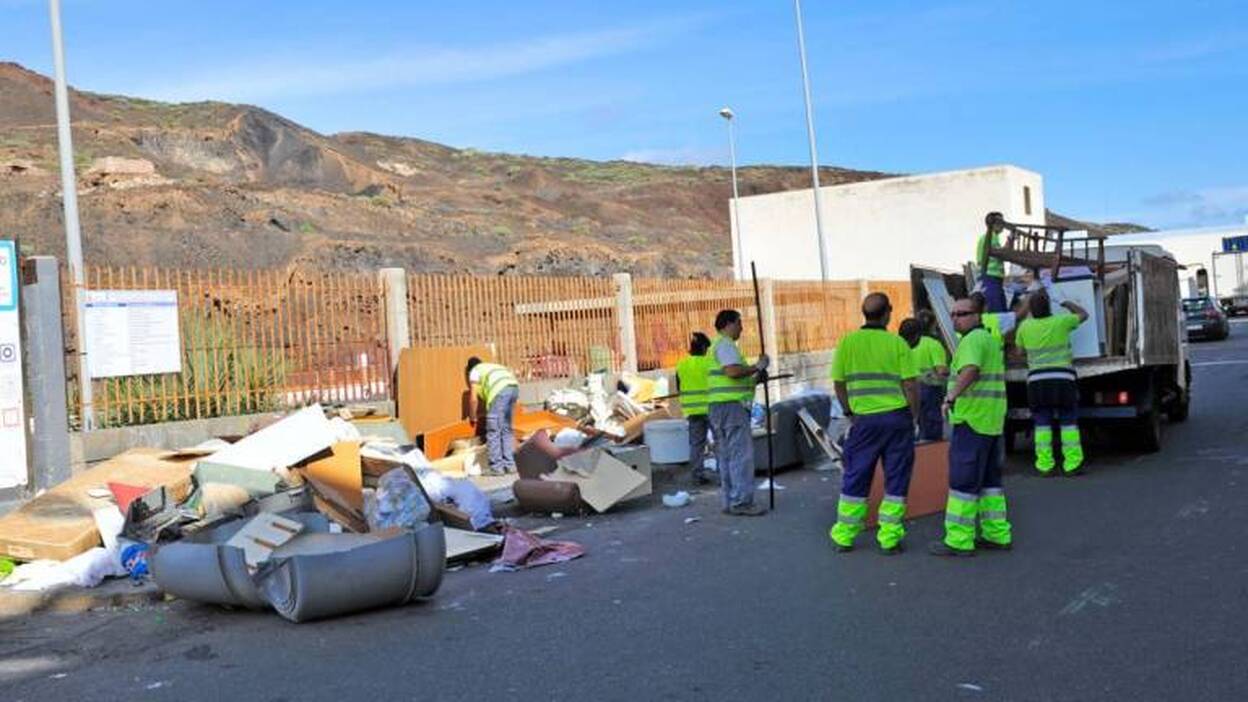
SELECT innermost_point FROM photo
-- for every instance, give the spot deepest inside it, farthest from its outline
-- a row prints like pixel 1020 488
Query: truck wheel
pixel 1178 410
pixel 1149 430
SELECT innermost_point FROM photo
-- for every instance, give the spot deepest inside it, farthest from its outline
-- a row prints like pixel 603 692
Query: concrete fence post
pixel 626 325
pixel 44 345
pixel 767 299
pixel 394 301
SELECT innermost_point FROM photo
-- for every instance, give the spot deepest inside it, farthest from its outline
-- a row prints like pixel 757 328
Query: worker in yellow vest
pixel 991 268
pixel 691 383
pixel 931 362
pixel 1052 391
pixel 976 407
pixel 495 388
pixel 730 383
pixel 874 378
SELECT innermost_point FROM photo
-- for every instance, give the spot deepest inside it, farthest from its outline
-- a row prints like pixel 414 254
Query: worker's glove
pixel 763 363
pixel 762 376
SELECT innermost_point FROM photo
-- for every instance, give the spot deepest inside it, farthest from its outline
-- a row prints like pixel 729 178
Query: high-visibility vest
pixel 694 394
pixel 723 389
pixel 872 362
pixel 992 322
pixel 494 379
pixel 1047 343
pixel 928 355
pixel 993 267
pixel 983 404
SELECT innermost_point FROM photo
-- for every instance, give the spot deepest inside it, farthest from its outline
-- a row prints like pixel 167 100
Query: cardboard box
pixel 929 483
pixel 637 458
pixel 603 480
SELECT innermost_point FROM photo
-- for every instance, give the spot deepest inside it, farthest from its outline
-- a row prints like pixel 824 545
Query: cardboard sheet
pixel 929 483
pixel 59 525
pixel 281 444
pixel 462 545
pixel 260 536
pixel 637 458
pixel 603 480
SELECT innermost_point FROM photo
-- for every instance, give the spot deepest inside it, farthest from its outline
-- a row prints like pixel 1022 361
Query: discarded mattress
pixel 316 574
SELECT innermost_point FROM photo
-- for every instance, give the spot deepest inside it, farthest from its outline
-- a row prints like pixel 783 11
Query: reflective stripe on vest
pixel 494 379
pixel 722 388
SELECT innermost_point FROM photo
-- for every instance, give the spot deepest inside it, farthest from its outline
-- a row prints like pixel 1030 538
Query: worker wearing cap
pixel 730 384
pixel 931 362
pixel 976 407
pixel 691 383
pixel 1052 390
pixel 991 268
pixel 874 378
pixel 494 387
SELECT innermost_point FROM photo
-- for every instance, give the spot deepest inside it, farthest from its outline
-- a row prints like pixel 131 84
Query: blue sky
pixel 1131 110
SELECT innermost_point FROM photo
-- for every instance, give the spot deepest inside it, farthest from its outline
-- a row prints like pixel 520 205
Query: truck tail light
pixel 1124 398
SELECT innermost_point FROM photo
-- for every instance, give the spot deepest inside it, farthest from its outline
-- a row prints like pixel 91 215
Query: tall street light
pixel 69 199
pixel 728 116
pixel 810 136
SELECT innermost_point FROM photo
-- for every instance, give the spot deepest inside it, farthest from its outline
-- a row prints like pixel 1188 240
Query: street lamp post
pixel 69 200
pixel 810 136
pixel 728 116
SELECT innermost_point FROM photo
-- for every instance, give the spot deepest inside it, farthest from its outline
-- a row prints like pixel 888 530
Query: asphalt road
pixel 1129 583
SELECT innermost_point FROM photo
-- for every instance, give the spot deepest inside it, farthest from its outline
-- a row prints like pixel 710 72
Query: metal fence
pixel 254 341
pixel 251 341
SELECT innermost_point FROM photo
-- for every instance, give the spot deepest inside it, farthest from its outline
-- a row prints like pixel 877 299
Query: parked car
pixel 1205 319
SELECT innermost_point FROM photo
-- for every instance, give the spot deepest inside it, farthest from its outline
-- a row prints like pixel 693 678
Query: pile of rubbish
pixel 621 415
pixel 313 515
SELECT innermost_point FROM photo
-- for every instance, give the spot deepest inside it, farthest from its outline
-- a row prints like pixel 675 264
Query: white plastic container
pixel 668 440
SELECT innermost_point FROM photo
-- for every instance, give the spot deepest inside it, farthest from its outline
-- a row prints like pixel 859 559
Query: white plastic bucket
pixel 668 440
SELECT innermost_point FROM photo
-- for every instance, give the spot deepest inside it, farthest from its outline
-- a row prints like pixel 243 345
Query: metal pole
pixel 762 347
pixel 736 198
pixel 69 198
pixel 810 136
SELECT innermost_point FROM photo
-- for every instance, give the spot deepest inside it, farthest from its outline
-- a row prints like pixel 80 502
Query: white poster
pixel 12 397
pixel 132 332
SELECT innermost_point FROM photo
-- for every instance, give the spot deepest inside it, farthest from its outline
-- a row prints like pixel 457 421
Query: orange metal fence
pixel 251 341
pixel 540 327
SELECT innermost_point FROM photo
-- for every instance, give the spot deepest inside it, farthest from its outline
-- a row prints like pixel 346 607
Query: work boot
pixel 993 545
pixel 842 548
pixel 1046 473
pixel 1074 472
pixel 893 551
pixel 940 548
pixel 750 510
pixel 701 477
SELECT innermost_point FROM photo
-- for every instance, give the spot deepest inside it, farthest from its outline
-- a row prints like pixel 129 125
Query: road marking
pixel 1219 363
pixel 1102 595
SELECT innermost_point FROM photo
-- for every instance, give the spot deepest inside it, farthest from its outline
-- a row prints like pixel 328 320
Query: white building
pixel 1195 248
pixel 876 229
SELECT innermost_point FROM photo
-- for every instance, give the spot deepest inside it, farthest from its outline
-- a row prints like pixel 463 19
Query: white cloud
pixel 266 79
pixel 1195 208
pixel 683 156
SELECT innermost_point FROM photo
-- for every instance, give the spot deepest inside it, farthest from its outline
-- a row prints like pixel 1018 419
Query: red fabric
pixel 524 550
pixel 125 494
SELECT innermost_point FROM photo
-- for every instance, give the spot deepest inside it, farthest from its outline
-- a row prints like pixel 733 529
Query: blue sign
pixel 1231 244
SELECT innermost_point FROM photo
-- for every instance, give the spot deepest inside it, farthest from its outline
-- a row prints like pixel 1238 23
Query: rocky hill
pixel 212 184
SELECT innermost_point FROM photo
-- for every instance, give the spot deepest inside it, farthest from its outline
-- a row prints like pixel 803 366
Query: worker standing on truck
pixel 931 362
pixel 991 268
pixel 494 387
pixel 976 408
pixel 1052 388
pixel 730 383
pixel 874 377
pixel 691 383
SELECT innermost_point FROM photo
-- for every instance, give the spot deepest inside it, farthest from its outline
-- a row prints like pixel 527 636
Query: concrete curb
pixel 118 592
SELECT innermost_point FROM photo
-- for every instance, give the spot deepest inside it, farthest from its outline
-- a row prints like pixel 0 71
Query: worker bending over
pixel 931 362
pixel 976 407
pixel 873 374
pixel 1052 391
pixel 494 387
pixel 991 268
pixel 730 383
pixel 691 383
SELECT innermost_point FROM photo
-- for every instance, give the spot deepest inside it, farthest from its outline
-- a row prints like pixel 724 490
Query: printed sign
pixel 132 332
pixel 13 472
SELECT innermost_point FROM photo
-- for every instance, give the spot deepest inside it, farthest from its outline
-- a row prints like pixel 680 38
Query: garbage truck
pixel 1130 356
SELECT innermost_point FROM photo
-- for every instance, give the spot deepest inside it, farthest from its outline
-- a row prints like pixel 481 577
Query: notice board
pixel 12 395
pixel 132 332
